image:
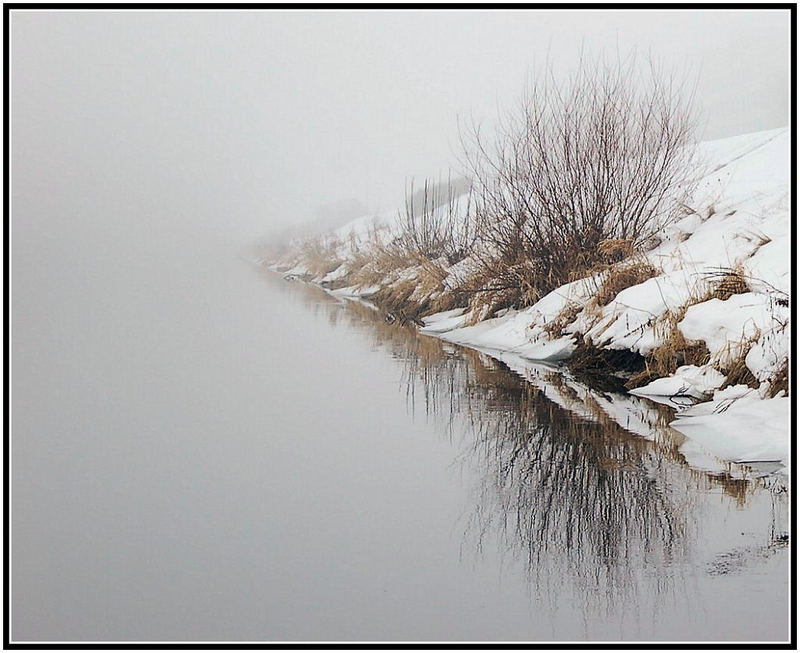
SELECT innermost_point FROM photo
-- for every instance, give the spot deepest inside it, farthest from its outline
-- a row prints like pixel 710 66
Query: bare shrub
pixel 605 156
pixel 434 224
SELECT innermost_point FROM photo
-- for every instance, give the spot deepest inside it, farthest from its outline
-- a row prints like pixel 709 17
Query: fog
pixel 209 125
pixel 199 454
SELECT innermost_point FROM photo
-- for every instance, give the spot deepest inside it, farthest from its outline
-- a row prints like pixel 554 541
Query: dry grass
pixel 485 304
pixel 321 255
pixel 596 367
pixel 736 371
pixel 417 293
pixel 566 316
pixel 492 289
pixel 780 382
pixel 410 283
pixel 614 250
pixel 376 263
pixel 674 352
pixel 728 282
pixel 620 277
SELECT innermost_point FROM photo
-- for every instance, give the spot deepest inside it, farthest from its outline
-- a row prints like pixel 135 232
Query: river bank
pixel 598 517
pixel 698 321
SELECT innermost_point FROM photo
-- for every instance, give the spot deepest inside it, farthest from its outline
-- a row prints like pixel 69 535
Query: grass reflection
pixel 589 490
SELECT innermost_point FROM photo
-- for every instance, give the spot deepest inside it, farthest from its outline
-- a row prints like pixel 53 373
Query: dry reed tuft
pixel 420 291
pixel 672 353
pixel 321 255
pixel 566 316
pixel 728 282
pixel 614 250
pixel 485 304
pixel 505 286
pixel 736 371
pixel 620 277
pixel 780 382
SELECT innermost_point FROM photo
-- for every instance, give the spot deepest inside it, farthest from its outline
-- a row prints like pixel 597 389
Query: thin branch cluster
pixel 605 155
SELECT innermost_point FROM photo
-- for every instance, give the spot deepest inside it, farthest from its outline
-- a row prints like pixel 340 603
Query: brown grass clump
pixel 321 255
pixel 485 303
pixel 445 301
pixel 376 265
pixel 674 352
pixel 418 294
pixel 621 277
pixel 374 261
pixel 737 372
pixel 664 360
pixel 566 316
pixel 728 282
pixel 491 290
pixel 780 382
pixel 394 299
pixel 614 250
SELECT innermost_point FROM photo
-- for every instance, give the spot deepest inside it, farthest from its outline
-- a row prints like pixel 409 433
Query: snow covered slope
pixel 738 219
pixel 736 227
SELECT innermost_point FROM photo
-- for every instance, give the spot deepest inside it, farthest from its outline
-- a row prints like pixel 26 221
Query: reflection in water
pixel 589 490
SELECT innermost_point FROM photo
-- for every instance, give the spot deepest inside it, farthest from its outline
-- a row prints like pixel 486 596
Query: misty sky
pixel 232 124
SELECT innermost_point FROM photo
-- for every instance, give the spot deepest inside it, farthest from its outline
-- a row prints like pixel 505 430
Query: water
pixel 207 452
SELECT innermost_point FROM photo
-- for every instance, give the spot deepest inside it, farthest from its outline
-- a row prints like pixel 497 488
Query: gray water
pixel 206 452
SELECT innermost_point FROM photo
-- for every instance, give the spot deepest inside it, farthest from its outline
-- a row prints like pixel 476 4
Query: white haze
pixel 228 125
pixel 194 455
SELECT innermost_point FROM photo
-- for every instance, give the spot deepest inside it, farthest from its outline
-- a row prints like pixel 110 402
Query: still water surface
pixel 265 462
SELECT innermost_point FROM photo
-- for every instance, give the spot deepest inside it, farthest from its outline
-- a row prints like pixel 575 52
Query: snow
pixel 521 332
pixel 737 217
pixel 355 291
pixel 632 319
pixel 727 326
pixel 575 294
pixel 767 355
pixel 740 217
pixel 743 430
pixel 445 321
pixel 459 273
pixel 336 274
pixel 699 458
pixel 556 350
pixel 297 270
pixel 688 380
pixel 360 228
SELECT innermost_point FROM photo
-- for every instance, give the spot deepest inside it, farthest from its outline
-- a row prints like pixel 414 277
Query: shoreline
pixel 699 319
pixel 705 449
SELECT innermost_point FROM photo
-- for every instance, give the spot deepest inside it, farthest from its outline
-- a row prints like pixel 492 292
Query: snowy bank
pixel 715 304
